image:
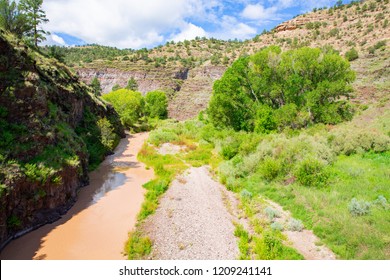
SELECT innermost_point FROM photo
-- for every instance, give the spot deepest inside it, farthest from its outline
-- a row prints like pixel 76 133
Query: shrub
pixel 359 207
pixel 246 195
pixel 277 226
pixel 271 213
pixel 347 141
pixel 138 247
pixel 311 173
pixel 352 54
pixel 160 136
pixel 295 225
pixel 382 202
pixel 270 168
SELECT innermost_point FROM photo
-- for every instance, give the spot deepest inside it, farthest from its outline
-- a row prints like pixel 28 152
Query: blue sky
pixel 148 23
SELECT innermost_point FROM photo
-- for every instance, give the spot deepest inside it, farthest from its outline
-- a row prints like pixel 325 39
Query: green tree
pixel 132 84
pixel 156 104
pixel 129 105
pixel 35 17
pixel 96 87
pixel 11 19
pixel 301 86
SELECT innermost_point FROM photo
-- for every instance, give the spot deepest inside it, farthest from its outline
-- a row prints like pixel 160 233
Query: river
pixel 97 226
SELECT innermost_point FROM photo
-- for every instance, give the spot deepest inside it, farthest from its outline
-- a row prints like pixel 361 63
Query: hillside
pixel 187 70
pixel 53 131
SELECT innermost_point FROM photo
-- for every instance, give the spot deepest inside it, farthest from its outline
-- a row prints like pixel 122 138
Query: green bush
pixel 270 168
pixel 295 225
pixel 160 136
pixel 271 213
pixel 359 207
pixel 277 226
pixel 352 54
pixel 311 172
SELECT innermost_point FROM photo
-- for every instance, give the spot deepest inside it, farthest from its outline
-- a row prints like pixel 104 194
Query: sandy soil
pixel 192 221
pixel 97 226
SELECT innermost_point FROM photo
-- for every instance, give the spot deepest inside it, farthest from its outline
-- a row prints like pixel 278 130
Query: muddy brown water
pixel 97 226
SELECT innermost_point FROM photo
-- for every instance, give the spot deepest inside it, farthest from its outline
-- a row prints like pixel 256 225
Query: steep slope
pixel 52 131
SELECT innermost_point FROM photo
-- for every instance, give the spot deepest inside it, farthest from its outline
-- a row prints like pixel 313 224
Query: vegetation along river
pixel 97 226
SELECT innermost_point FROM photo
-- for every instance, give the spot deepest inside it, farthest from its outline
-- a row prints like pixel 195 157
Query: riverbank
pixel 97 226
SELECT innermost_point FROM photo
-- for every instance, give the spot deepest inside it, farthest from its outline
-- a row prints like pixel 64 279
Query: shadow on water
pixel 106 178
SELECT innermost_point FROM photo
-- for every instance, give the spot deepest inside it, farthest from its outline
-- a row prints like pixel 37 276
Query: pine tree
pixel 35 16
pixel 96 87
pixel 11 19
pixel 132 84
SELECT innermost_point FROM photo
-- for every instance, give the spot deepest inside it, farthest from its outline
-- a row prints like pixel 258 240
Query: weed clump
pixel 295 225
pixel 359 207
pixel 271 213
pixel 277 226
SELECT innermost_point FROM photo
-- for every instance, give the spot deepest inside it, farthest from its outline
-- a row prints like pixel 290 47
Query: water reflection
pixel 113 181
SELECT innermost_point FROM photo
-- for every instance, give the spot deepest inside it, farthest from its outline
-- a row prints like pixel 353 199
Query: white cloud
pixel 190 31
pixel 259 12
pixel 231 28
pixel 123 23
pixel 54 39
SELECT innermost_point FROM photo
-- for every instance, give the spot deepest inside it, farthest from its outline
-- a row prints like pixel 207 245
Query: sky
pixel 148 23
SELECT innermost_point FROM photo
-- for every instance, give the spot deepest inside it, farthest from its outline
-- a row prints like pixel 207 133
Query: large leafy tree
pixel 156 104
pixel 11 19
pixel 272 89
pixel 36 16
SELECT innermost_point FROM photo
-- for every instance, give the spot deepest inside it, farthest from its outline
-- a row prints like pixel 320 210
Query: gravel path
pixel 192 222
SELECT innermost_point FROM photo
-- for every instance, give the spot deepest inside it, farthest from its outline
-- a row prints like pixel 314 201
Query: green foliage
pixel 96 87
pixel 13 222
pixel 277 226
pixel 108 137
pixel 271 213
pixel 129 105
pixel 273 89
pixel 35 17
pixel 137 247
pixel 160 136
pixel 359 207
pixel 116 87
pixel 270 168
pixel 39 172
pixel 270 247
pixel 156 104
pixel 12 19
pixel 132 84
pixel 295 225
pixel 311 172
pixel 352 54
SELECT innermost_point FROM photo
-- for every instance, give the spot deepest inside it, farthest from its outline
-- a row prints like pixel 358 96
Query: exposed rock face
pixel 297 23
pixel 189 91
pixel 44 109
pixel 147 79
